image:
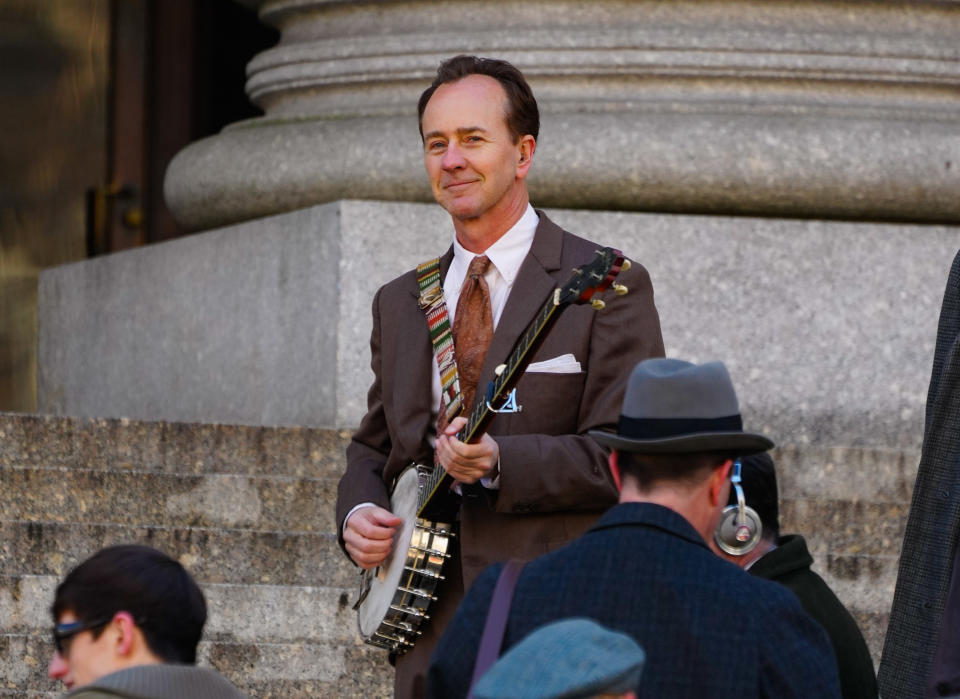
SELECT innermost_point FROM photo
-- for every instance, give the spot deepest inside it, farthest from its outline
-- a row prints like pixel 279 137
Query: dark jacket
pixel 160 682
pixel 708 629
pixel 789 564
pixel 927 596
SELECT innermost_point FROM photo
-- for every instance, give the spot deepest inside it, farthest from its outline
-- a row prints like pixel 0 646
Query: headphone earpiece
pixel 739 529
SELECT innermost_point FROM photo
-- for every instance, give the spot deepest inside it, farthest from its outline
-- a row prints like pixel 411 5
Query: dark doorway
pixel 177 69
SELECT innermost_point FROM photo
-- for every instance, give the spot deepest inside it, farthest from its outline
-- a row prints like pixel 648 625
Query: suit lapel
pixel 532 287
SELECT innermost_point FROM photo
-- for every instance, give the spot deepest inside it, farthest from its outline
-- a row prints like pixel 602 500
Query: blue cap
pixel 565 660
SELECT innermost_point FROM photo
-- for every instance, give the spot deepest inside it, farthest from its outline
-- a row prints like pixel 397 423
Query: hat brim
pixel 743 443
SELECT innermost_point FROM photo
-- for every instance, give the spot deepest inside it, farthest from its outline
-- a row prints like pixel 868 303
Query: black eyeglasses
pixel 62 633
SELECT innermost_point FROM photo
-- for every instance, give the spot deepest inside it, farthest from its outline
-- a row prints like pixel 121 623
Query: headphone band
pixel 739 529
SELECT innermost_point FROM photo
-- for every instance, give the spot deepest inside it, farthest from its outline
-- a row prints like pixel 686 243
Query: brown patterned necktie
pixel 472 328
pixel 472 332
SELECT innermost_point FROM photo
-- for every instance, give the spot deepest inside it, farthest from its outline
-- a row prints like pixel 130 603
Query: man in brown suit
pixel 544 480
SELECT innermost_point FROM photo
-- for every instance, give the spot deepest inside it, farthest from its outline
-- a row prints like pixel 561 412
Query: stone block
pixel 827 328
pixel 258 324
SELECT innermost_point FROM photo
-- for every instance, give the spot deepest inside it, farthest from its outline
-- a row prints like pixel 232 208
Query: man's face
pixel 84 659
pixel 470 155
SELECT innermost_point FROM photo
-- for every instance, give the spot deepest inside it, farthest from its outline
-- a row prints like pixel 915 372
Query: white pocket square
pixel 564 364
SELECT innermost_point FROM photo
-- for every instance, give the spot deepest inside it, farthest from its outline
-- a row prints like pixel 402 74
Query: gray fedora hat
pixel 673 406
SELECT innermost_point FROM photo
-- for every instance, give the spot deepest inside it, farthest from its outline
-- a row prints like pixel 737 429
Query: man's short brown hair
pixel 523 115
pixel 650 469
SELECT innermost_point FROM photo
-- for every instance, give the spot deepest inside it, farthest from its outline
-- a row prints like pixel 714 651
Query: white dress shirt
pixel 506 255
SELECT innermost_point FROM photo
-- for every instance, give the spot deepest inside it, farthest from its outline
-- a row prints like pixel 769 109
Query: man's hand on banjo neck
pixel 467 463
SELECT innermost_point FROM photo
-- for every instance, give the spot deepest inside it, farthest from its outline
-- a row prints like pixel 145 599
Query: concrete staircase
pixel 249 511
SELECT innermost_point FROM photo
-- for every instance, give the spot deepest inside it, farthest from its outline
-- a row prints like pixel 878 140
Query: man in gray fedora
pixel 708 628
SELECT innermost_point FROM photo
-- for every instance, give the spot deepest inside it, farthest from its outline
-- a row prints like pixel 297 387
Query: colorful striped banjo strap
pixel 441 335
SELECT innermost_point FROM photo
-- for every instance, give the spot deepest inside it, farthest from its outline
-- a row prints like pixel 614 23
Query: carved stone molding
pixel 823 109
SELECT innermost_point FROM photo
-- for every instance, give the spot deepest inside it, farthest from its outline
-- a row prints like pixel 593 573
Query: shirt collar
pixel 508 253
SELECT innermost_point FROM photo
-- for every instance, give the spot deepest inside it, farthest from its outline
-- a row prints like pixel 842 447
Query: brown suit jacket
pixel 554 479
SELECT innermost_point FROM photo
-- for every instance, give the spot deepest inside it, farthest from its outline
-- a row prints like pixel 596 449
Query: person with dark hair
pixel 522 112
pixel 786 560
pixel 534 479
pixel 707 629
pixel 127 622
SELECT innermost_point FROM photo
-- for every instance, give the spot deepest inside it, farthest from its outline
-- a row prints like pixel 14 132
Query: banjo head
pixel 402 588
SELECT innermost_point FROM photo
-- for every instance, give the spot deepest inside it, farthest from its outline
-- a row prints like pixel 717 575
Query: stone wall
pixel 249 510
pixel 828 328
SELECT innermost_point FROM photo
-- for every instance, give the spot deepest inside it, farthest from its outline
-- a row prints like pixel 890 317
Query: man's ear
pixel 125 628
pixel 717 482
pixel 526 146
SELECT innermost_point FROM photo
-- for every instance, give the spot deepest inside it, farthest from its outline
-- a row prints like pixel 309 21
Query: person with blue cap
pixel 568 659
pixel 708 629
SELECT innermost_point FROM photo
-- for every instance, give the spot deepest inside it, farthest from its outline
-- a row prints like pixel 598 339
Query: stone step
pixel 264 670
pixel 238 556
pixel 275 503
pixel 844 526
pixel 858 474
pixel 237 613
pixel 804 470
pixel 283 503
pixel 249 511
pixel 171 447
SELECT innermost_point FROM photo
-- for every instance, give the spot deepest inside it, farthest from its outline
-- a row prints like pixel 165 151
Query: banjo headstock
pixel 592 278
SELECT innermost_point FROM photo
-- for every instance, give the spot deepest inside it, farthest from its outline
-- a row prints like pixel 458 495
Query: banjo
pixel 395 597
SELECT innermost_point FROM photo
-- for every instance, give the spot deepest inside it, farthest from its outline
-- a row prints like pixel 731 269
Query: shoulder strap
pixel 441 335
pixel 496 624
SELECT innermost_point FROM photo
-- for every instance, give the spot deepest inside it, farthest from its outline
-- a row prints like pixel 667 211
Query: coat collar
pixel 790 555
pixel 648 514
pixel 546 250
